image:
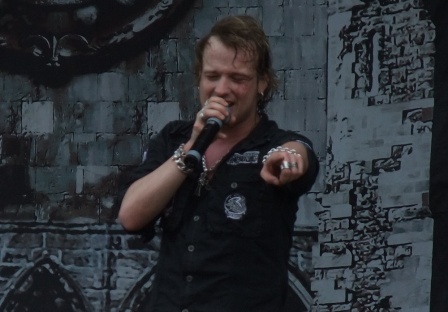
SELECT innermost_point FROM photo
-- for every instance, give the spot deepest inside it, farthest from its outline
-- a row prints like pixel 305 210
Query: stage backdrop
pixel 81 93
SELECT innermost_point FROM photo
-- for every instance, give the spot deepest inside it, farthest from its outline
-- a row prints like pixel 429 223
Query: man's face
pixel 232 77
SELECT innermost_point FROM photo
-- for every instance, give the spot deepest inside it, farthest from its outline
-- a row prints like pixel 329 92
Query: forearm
pixel 147 197
pixel 310 166
pixel 285 164
pixel 301 150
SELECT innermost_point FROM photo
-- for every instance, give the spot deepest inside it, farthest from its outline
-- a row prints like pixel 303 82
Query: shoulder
pixel 177 126
pixel 176 129
pixel 169 137
pixel 269 130
pixel 281 136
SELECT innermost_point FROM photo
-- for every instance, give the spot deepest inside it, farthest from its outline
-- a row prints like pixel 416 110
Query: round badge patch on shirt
pixel 235 206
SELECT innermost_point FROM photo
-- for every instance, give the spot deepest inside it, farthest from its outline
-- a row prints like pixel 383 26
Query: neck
pixel 221 147
pixel 240 130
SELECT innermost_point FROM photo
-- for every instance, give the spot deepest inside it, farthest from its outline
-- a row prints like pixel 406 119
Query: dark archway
pixel 45 287
pixel 137 299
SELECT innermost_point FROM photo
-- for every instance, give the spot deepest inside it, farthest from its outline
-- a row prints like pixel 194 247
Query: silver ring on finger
pixel 294 165
pixel 285 165
pixel 201 114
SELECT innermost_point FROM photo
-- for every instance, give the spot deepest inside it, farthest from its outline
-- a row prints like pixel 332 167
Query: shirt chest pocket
pixel 243 205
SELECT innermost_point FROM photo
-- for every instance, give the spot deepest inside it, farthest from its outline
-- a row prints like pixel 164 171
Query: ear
pixel 262 85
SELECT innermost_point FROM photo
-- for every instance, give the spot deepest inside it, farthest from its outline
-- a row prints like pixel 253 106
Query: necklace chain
pixel 204 165
pixel 203 177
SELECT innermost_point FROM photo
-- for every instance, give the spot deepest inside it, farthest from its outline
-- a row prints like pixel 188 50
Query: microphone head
pixel 214 120
pixel 219 121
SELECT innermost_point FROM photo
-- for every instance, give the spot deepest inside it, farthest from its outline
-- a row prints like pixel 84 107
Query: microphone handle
pixel 205 138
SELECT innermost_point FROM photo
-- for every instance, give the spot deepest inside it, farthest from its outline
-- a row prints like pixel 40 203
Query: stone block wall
pixel 355 76
pixel 375 234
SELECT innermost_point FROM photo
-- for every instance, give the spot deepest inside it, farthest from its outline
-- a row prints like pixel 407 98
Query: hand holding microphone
pixel 205 138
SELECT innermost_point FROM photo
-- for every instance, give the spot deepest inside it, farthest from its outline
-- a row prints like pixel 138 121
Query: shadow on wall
pixel 14 160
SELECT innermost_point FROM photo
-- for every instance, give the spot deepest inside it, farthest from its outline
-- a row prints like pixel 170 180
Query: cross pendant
pixel 202 182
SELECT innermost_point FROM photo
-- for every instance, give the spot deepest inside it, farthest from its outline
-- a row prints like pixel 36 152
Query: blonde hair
pixel 243 32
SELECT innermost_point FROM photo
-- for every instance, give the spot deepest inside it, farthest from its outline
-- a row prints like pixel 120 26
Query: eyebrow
pixel 215 72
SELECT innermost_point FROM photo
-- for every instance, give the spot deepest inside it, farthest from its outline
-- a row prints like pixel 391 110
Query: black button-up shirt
pixel 227 249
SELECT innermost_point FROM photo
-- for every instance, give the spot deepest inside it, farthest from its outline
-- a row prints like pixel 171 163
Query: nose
pixel 222 86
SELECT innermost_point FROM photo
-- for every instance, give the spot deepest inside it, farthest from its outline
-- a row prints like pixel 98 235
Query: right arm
pixel 146 198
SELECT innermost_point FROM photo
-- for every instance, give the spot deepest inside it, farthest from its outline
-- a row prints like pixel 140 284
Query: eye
pixel 240 78
pixel 212 77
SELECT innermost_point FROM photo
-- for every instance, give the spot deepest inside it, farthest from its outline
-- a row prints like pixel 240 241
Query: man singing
pixel 226 223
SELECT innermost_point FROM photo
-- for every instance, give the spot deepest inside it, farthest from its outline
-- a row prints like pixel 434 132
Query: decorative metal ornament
pixel 76 35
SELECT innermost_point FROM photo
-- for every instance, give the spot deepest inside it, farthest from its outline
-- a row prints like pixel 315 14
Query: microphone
pixel 193 157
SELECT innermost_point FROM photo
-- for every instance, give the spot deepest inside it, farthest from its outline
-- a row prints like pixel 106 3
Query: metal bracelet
pixel 178 158
pixel 280 149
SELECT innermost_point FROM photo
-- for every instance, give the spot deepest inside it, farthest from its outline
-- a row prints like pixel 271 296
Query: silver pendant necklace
pixel 204 180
